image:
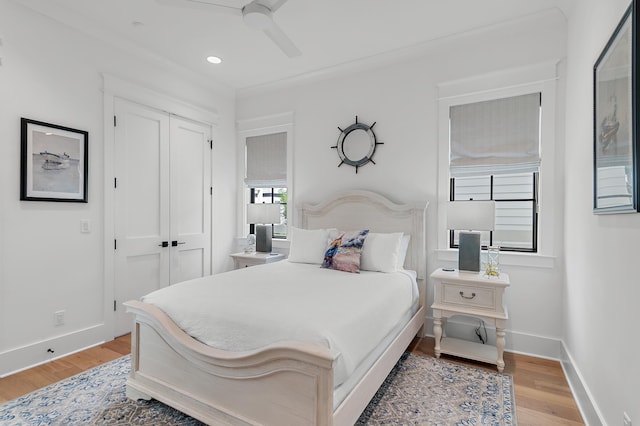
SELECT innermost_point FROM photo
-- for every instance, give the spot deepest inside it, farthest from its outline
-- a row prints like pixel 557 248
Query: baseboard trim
pixel 34 354
pixel 590 413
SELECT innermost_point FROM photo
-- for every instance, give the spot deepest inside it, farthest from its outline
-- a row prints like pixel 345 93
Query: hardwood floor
pixel 542 394
pixel 38 377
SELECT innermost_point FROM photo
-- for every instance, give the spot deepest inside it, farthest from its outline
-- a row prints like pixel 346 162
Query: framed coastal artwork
pixel 616 148
pixel 54 162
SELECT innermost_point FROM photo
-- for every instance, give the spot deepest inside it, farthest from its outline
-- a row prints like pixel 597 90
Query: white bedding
pixel 253 307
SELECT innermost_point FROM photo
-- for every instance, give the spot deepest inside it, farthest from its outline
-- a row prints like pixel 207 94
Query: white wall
pixel 602 285
pixel 52 73
pixel 402 99
pixel 46 264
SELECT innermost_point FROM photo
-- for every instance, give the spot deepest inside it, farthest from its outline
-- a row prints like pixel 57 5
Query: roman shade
pixel 495 137
pixel 266 165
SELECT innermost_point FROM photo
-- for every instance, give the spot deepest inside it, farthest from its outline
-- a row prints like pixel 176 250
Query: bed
pixel 292 381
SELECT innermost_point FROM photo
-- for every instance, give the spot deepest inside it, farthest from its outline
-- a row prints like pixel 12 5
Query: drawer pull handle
pixel 467 297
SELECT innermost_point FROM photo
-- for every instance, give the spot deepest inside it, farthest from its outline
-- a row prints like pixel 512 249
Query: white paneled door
pixel 162 202
pixel 190 152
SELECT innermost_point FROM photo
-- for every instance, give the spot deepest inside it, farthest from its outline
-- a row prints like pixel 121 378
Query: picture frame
pixel 53 163
pixel 616 180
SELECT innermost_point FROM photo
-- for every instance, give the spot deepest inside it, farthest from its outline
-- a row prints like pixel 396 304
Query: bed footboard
pixel 284 384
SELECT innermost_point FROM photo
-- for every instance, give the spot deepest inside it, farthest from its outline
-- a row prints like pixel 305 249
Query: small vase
pixel 251 244
pixel 492 267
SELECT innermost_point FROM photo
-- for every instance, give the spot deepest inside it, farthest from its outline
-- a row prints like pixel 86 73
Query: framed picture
pixel 615 145
pixel 54 162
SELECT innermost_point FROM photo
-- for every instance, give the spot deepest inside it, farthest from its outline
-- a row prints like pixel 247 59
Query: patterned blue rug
pixel 419 391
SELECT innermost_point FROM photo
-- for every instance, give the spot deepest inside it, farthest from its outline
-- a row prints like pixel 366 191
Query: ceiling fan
pixel 257 14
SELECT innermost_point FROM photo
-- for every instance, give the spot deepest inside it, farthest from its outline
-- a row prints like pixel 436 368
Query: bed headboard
pixel 358 209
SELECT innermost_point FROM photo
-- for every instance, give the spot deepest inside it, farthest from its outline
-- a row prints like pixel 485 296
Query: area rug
pixel 418 391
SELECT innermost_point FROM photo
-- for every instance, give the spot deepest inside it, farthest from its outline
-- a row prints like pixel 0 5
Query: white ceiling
pixel 330 33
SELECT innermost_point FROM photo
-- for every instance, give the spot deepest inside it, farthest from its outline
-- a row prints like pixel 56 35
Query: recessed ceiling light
pixel 137 24
pixel 214 60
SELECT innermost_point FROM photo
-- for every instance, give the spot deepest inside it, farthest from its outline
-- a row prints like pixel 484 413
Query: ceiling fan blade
pixel 282 41
pixel 274 5
pixel 201 5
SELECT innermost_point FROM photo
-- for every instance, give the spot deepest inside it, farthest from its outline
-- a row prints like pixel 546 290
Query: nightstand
pixel 244 260
pixel 475 295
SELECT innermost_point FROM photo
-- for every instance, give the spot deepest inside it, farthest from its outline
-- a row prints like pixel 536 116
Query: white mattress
pixel 246 309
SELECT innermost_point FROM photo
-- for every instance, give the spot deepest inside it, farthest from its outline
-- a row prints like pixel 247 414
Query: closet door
pixel 162 203
pixel 190 200
pixel 142 205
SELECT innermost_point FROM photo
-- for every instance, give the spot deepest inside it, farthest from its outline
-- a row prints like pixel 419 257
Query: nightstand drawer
pixel 478 297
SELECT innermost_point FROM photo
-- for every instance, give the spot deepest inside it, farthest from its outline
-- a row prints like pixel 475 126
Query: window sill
pixel 532 260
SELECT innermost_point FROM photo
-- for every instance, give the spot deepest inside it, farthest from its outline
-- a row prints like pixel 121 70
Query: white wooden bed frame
pixel 289 383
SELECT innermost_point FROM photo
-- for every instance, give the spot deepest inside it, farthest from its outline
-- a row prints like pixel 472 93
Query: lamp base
pixel 263 238
pixel 469 252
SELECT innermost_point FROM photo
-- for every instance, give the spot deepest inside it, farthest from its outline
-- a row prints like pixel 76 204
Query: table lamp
pixel 470 217
pixel 263 216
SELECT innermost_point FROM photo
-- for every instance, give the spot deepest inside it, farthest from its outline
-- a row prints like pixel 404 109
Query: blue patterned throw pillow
pixel 343 253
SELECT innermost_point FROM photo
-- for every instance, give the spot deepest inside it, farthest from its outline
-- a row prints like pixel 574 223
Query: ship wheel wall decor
pixel 356 145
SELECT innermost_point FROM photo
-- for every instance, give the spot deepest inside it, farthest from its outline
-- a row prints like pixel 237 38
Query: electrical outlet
pixel 58 318
pixel 84 226
pixel 627 419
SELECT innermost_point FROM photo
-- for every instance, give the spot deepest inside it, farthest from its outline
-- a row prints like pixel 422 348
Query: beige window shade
pixel 495 137
pixel 267 161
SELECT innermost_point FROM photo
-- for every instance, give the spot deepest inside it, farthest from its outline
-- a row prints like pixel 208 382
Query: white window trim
pixel 278 123
pixel 537 78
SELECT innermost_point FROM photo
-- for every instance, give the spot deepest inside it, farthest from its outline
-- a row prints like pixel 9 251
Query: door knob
pixel 175 243
pixel 164 244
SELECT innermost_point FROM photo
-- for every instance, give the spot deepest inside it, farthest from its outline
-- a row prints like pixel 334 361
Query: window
pixel 539 82
pixel 272 196
pixel 516 208
pixel 494 154
pixel 266 175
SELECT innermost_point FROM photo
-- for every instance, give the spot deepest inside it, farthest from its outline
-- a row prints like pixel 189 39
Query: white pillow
pixel 307 245
pixel 404 246
pixel 380 252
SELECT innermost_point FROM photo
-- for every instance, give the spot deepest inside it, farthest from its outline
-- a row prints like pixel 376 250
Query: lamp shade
pixel 263 213
pixel 471 215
